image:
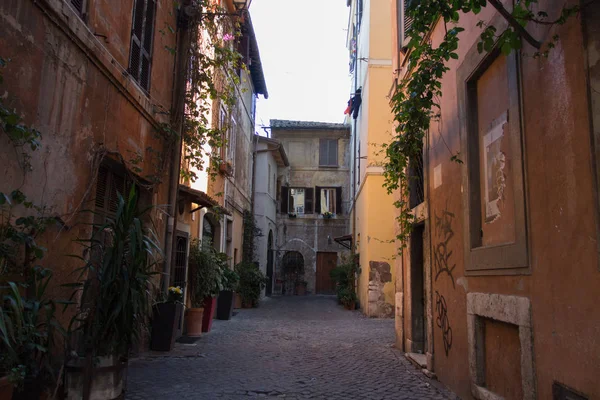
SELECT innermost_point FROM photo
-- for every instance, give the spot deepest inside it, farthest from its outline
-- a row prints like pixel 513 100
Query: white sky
pixel 302 47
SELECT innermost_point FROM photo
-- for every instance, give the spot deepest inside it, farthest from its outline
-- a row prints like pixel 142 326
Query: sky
pixel 302 46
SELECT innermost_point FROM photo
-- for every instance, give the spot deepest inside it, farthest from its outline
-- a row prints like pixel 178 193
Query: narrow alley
pixel 290 347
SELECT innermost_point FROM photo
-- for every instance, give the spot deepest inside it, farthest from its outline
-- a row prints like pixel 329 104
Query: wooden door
pixel 325 263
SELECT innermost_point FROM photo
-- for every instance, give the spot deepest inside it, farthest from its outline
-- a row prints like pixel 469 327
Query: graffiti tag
pixel 441 254
pixel 442 321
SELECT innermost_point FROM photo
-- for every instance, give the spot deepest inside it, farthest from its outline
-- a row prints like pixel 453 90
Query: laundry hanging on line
pixel 354 104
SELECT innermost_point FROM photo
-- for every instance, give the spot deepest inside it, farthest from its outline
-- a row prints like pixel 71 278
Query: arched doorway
pixel 269 287
pixel 208 231
pixel 292 267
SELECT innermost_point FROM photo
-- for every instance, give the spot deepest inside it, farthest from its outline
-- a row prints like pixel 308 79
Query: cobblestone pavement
pixel 290 347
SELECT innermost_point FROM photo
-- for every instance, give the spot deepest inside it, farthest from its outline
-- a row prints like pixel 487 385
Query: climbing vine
pixel 213 77
pixel 251 232
pixel 415 102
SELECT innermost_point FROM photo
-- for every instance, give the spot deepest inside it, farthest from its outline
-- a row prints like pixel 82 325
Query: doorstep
pixel 420 361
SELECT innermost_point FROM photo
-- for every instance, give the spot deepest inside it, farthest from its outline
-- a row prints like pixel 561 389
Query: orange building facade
pixel 496 290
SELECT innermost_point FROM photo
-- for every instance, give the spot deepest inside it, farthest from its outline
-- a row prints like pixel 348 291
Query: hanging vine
pixel 415 102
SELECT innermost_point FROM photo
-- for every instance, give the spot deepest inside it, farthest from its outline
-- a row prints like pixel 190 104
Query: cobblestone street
pixel 290 347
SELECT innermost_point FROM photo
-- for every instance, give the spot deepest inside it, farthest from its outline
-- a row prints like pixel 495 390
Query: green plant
pixel 19 249
pixel 344 275
pixel 416 100
pixel 327 215
pixel 28 329
pixel 117 282
pixel 347 296
pixel 231 279
pixel 252 282
pixel 206 267
pixel 251 231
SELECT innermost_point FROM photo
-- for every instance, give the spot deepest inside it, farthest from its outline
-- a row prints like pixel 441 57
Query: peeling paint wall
pixel 70 85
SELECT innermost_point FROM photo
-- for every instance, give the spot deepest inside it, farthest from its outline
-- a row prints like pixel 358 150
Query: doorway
pixel 269 287
pixel 417 290
pixel 326 262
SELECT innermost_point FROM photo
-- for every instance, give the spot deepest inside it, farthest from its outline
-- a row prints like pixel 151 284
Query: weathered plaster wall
pixel 68 85
pixel 310 233
pixel 561 213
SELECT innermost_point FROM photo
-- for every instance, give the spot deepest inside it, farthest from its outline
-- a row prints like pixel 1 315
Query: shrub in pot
pixel 205 279
pixel 166 316
pixel 227 295
pixel 115 291
pixel 252 282
pixel 28 328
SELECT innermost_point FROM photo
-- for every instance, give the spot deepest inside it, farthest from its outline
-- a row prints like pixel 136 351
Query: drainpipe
pixel 178 109
pixel 356 66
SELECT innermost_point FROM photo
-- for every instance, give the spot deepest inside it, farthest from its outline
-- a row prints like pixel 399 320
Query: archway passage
pixel 293 272
pixel 269 287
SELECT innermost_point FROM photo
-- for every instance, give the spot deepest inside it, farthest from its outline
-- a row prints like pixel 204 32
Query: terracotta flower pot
pixel 238 301
pixel 6 389
pixel 193 319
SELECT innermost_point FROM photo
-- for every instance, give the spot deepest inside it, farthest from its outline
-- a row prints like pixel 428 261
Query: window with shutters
pixel 297 200
pixel 328 199
pixel 79 6
pixel 328 153
pixel 109 185
pixel 404 21
pixel 142 35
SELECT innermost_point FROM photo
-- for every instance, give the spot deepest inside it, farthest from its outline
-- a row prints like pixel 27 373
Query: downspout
pixel 354 158
pixel 178 110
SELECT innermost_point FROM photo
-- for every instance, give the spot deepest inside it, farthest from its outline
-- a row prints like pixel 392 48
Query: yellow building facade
pixel 372 216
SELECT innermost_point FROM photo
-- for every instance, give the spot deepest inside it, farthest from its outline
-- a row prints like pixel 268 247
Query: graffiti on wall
pixel 441 253
pixel 442 321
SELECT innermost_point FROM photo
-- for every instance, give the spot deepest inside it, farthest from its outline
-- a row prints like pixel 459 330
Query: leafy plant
pixel 416 101
pixel 347 296
pixel 27 331
pixel 19 249
pixel 344 275
pixel 252 282
pixel 206 267
pixel 175 294
pixel 231 279
pixel 117 282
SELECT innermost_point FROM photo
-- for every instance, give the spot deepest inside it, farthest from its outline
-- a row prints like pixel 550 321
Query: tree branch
pixel 515 24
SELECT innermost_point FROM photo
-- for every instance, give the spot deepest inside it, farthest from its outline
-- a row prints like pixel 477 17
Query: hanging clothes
pixel 349 108
pixel 356 102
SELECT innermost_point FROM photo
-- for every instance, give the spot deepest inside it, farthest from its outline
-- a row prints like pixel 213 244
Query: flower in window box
pixel 175 294
pixel 327 215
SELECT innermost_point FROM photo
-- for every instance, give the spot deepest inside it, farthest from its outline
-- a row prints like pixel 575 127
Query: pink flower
pixel 228 37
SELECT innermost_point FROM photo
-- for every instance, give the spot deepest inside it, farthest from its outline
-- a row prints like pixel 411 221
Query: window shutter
pixel 408 20
pixel 338 200
pixel 333 161
pixel 323 154
pixel 101 189
pixel 309 200
pixel 318 200
pixel 284 199
pixel 117 186
pixel 148 36
pixel 78 5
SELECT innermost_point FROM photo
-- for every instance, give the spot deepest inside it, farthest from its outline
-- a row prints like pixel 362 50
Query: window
pixel 231 136
pixel 109 185
pixel 297 200
pixel 328 153
pixel 494 195
pixel 329 199
pixel 79 6
pixel 142 34
pixel 404 21
pixel 415 180
pixel 269 180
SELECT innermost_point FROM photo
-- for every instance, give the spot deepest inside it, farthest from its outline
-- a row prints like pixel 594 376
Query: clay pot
pixel 193 320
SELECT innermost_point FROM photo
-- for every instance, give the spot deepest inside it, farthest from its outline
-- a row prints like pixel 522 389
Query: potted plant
pixel 28 328
pixel 206 270
pixel 327 215
pixel 252 282
pixel 301 288
pixel 166 315
pixel 115 291
pixel 227 295
pixel 348 298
